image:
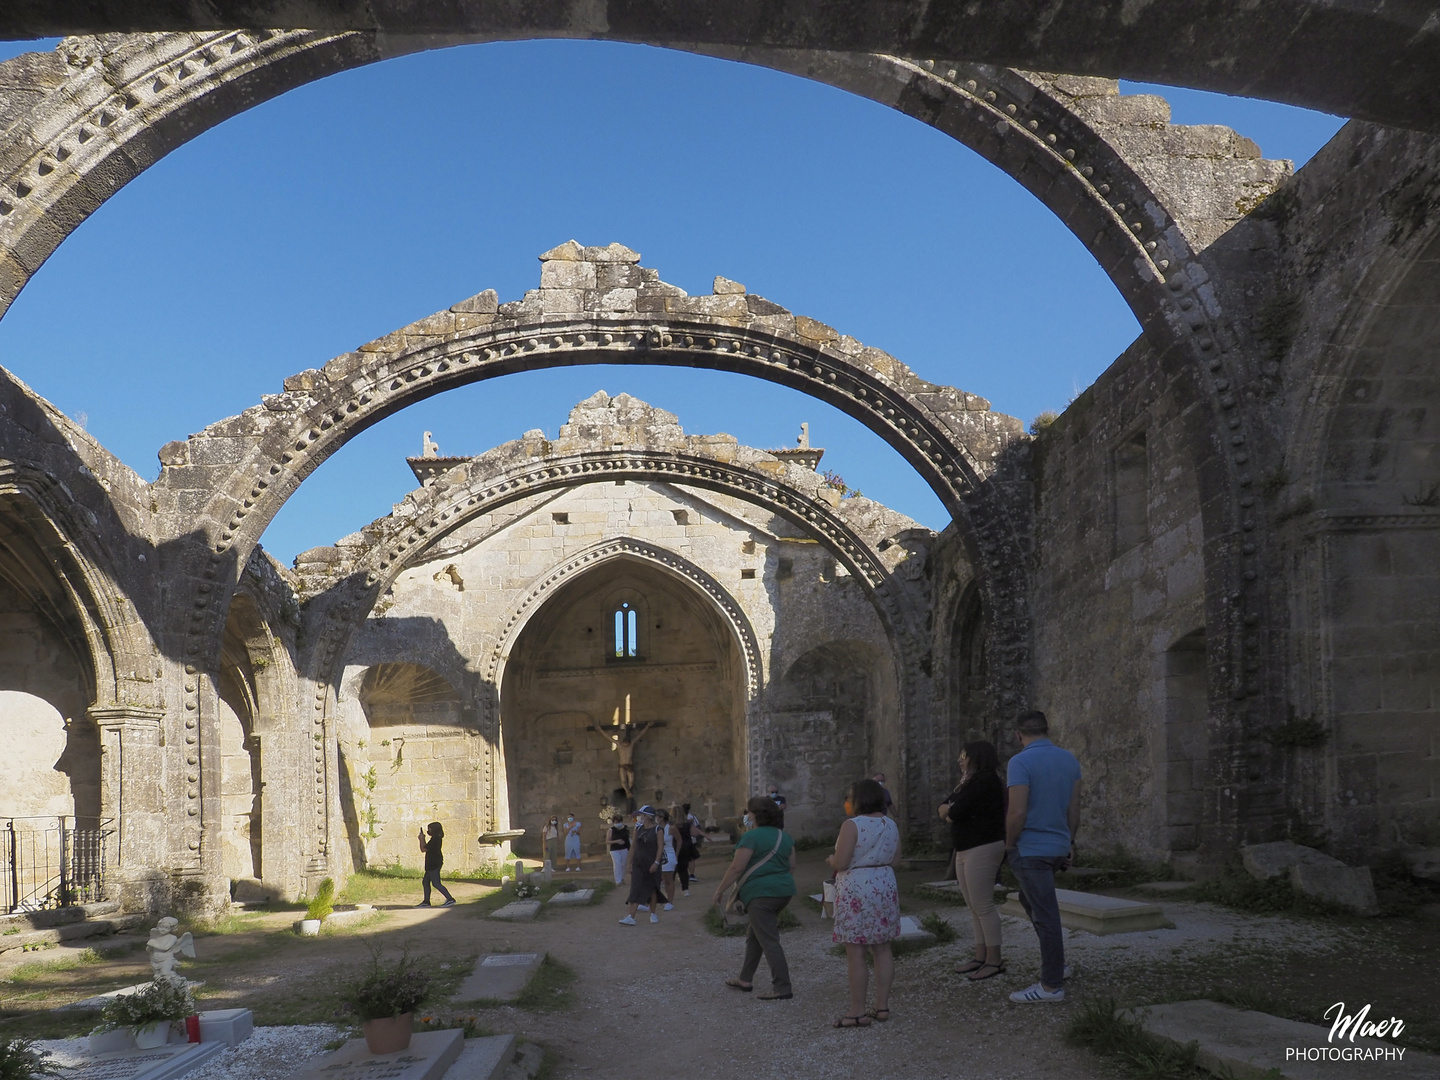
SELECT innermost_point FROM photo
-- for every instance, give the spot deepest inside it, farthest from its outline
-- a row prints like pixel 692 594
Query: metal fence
pixel 53 862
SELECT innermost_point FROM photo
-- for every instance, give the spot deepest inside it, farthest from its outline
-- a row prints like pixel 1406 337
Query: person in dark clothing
pixel 619 842
pixel 976 813
pixel 688 852
pixel 434 860
pixel 646 853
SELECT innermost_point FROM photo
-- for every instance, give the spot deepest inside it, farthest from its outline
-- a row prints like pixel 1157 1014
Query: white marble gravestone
pixel 429 1056
pixel 163 1063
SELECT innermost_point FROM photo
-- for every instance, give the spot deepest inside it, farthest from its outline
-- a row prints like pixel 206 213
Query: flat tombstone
pixel 486 1058
pixel 911 930
pixel 431 1053
pixel 230 1026
pixel 517 909
pixel 1097 914
pixel 579 896
pixel 500 977
pixel 162 1063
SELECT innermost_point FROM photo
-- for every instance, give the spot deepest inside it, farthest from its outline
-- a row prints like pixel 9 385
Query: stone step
pixel 1242 1044
pixel 72 931
pixel 492 1057
pixel 1098 914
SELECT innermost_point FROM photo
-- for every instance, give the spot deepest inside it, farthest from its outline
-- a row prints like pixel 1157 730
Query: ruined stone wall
pixel 1119 583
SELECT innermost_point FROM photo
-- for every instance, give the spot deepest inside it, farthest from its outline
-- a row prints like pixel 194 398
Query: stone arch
pixel 694 677
pixel 109 107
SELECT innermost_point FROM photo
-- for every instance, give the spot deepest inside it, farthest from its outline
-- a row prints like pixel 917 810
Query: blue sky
pixel 349 207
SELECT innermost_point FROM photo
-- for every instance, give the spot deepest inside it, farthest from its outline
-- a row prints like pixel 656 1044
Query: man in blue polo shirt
pixel 1040 827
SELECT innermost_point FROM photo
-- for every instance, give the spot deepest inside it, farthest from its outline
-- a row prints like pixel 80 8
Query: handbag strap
pixel 779 839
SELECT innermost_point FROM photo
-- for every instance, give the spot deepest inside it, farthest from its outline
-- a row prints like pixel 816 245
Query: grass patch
pixel 715 922
pixel 469 1024
pixel 1099 1027
pixel 938 925
pixel 49 1025
pixel 552 987
pixel 38 969
pixel 812 843
pixel 357 925
pixel 1118 868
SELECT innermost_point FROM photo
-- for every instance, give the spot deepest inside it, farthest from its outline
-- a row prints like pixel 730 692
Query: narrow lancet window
pixel 627 636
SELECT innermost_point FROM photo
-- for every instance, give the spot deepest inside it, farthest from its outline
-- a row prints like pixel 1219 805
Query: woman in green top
pixel 764 865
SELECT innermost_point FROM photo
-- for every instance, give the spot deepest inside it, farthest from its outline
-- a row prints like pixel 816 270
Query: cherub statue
pixel 165 949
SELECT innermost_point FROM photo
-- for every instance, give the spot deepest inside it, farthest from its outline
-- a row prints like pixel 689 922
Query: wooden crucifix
pixel 623 737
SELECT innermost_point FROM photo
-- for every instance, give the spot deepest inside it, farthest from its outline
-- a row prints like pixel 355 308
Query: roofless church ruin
pixel 1217 570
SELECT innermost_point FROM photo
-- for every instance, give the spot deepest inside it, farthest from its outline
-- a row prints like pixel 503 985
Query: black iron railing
pixel 52 862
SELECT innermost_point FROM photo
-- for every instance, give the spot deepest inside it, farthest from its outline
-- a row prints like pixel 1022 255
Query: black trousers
pixel 432 877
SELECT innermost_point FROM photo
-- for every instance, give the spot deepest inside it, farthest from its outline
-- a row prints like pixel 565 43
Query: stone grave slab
pixel 1100 915
pixel 579 896
pixel 1243 1044
pixel 517 910
pixel 1163 887
pixel 499 977
pixel 162 1063
pixel 429 1057
pixel 483 1059
pixel 911 930
pixel 230 1026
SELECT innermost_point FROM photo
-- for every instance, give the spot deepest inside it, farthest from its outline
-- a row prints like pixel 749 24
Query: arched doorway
pixel 625 635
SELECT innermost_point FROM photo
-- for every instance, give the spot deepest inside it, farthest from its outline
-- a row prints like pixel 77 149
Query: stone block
pixel 430 1055
pixel 579 896
pixel 567 275
pixel 487 1058
pixel 230 1026
pixel 517 910
pixel 1424 863
pixel 499 977
pixel 1346 886
pixel 1244 1044
pixel 912 931
pixel 162 1063
pixel 1100 915
pixel 1264 861
pixel 725 287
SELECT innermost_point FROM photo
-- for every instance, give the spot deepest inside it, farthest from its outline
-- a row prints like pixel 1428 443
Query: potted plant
pixel 149 1012
pixel 319 909
pixel 384 997
pixel 21 1060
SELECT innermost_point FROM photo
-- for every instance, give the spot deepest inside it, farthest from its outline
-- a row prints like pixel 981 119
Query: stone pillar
pixel 132 800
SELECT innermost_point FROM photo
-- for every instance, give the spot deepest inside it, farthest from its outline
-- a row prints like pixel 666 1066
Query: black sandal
pixel 969 966
pixel 976 977
pixel 874 1014
pixel 848 1021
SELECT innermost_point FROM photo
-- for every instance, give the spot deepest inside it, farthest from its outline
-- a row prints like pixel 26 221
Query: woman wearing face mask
pixel 571 829
pixel 645 856
pixel 551 837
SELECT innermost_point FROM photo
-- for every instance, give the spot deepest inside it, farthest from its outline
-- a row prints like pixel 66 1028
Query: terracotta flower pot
pixel 389 1034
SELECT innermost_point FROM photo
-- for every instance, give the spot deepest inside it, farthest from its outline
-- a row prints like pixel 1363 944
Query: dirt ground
pixel 650 999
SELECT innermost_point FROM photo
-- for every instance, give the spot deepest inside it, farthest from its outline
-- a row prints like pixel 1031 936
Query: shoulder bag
pixel 734 908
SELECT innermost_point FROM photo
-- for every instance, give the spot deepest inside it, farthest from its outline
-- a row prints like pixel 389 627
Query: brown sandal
pixel 736 984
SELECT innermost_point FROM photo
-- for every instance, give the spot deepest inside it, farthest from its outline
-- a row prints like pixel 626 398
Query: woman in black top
pixel 434 860
pixel 976 813
pixel 619 842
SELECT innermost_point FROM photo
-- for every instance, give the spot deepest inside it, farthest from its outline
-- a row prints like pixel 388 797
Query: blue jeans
pixel 1036 875
pixel 432 877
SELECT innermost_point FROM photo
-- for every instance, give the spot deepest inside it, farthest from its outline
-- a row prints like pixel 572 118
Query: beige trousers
pixel 975 870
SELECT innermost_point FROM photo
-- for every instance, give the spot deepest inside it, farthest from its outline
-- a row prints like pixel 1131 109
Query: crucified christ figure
pixel 623 742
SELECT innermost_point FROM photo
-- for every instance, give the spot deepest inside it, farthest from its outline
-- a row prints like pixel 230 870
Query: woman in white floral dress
pixel 867 901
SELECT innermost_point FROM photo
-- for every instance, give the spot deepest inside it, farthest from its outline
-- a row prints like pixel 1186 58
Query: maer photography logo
pixel 1345 1028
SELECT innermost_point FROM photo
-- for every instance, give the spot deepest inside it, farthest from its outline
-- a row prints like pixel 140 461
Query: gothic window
pixel 627 632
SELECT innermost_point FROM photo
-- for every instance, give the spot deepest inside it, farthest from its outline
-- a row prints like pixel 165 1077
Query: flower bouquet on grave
pixel 383 997
pixel 525 888
pixel 149 1012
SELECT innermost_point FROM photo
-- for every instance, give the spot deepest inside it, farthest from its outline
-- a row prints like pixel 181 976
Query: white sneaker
pixel 628 920
pixel 643 907
pixel 1068 971
pixel 656 918
pixel 1038 993
pixel 685 893
pixel 668 907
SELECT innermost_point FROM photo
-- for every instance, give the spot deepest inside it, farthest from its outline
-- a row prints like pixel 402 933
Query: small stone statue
pixel 165 949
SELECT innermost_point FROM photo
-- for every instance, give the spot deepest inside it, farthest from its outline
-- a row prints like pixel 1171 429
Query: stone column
pixel 132 800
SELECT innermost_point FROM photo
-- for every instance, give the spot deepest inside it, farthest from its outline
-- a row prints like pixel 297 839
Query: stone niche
pixel 52 751
pixel 570 673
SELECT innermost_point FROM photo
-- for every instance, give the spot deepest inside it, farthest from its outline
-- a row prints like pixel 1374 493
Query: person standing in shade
pixel 686 853
pixel 889 802
pixel 434 860
pixel 570 829
pixel 550 838
pixel 1040 827
pixel 619 842
pixel 764 865
pixel 645 856
pixel 976 813
pixel 775 797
